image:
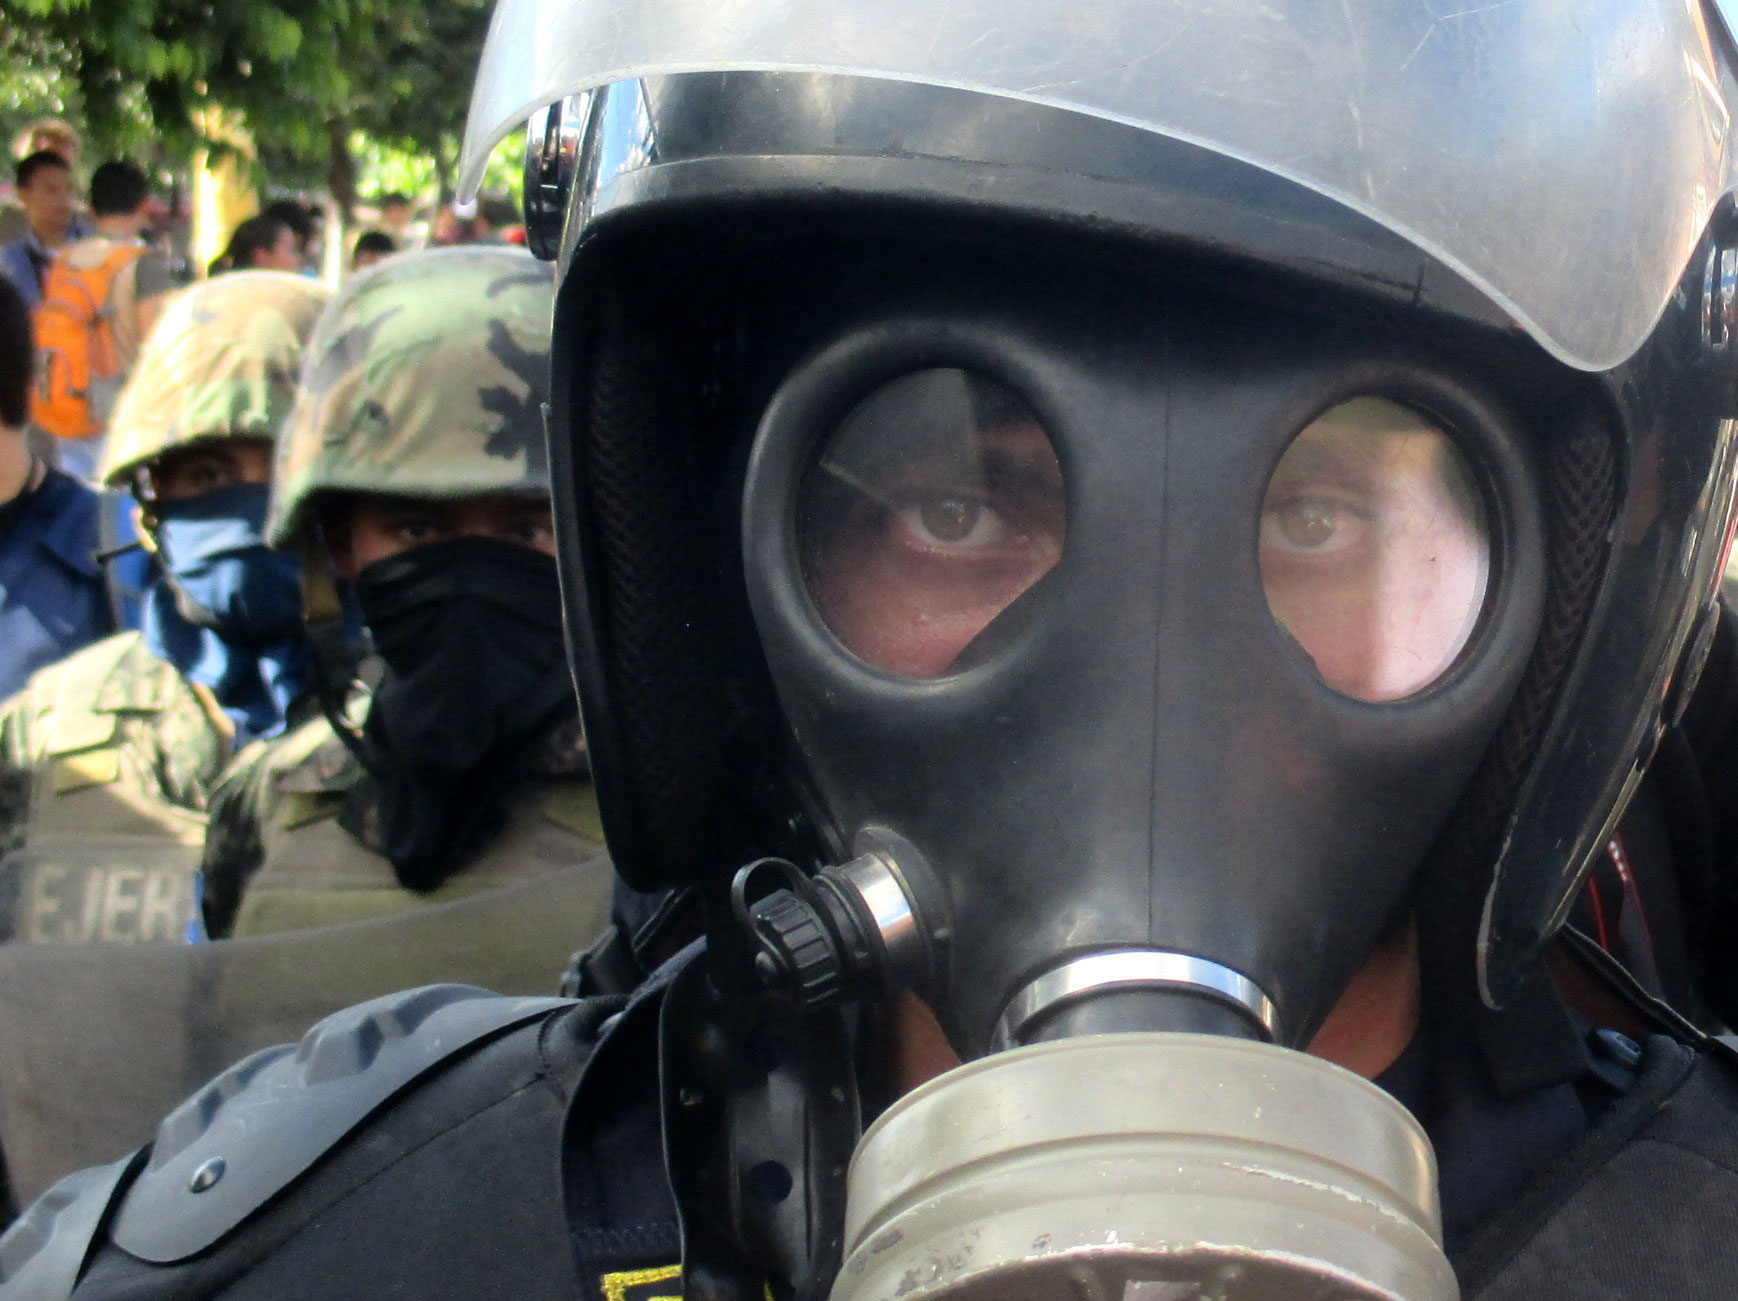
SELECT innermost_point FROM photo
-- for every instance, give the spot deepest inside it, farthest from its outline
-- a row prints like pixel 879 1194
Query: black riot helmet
pixel 1129 501
pixel 801 256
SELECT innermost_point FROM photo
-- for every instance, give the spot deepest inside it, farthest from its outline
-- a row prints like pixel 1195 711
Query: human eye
pixel 199 474
pixel 933 506
pixel 1314 521
pixel 414 528
pixel 1374 548
pixel 943 518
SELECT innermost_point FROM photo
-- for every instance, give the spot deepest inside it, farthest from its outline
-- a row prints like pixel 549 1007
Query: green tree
pixel 420 69
pixel 300 75
pixel 33 83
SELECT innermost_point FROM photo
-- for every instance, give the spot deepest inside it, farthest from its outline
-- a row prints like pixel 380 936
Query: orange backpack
pixel 77 368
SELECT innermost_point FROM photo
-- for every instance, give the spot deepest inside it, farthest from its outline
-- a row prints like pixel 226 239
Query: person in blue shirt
pixel 53 597
pixel 49 195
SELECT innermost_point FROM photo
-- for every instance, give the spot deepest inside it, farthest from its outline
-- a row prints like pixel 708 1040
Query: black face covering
pixel 470 632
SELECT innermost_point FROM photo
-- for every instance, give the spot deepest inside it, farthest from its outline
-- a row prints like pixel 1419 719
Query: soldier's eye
pixel 1375 551
pixel 932 507
pixel 415 528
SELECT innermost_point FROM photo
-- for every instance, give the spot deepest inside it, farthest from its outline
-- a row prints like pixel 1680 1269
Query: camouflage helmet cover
pixel 221 362
pixel 426 378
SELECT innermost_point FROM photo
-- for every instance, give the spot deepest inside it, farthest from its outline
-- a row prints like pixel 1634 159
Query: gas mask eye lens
pixel 1375 548
pixel 936 502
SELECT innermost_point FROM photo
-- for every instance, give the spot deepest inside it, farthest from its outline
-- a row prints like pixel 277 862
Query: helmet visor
pixel 1563 155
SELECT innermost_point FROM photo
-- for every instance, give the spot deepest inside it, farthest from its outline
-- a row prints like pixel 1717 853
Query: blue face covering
pixel 228 612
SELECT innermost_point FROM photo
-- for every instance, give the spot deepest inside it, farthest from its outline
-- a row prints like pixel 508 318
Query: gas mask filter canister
pixel 1145 1167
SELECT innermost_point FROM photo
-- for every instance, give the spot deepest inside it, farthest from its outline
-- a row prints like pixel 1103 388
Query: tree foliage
pixel 300 75
pixel 34 82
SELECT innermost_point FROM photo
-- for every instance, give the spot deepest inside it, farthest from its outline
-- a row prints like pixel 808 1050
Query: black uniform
pixel 449 1143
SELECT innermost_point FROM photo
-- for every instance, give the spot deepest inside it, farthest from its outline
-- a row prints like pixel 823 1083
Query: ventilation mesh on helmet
pixel 1582 500
pixel 666 685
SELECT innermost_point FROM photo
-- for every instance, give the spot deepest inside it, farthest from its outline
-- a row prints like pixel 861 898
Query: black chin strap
pixel 1532 1043
pixel 335 661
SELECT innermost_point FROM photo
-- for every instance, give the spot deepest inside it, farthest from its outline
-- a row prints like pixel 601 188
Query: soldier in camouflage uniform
pixel 107 758
pixel 414 473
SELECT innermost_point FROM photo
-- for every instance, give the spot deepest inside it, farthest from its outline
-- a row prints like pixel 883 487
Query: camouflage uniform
pixel 426 380
pixel 107 758
pixel 275 834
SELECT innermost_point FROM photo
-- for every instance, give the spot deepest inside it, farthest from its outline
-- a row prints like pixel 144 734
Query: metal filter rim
pixel 1092 973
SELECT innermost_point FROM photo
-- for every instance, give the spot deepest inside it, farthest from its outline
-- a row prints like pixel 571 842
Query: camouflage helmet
pixel 221 362
pixel 425 378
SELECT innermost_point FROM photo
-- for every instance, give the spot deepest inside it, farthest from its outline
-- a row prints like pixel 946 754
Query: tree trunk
pixel 443 176
pixel 341 169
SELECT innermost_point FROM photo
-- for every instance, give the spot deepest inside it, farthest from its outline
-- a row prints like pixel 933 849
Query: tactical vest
pixel 107 855
pixel 313 872
pixel 528 1161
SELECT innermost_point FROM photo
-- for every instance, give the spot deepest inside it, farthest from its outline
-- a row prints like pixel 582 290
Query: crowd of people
pixel 1160 696
pixel 254 555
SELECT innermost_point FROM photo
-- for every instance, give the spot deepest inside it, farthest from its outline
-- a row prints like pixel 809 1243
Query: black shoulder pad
pixel 43 1251
pixel 244 1137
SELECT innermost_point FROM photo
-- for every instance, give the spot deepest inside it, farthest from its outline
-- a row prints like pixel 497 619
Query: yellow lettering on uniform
pixel 44 907
pixel 615 1286
pixel 165 911
pixel 626 1285
pixel 92 912
pixel 121 908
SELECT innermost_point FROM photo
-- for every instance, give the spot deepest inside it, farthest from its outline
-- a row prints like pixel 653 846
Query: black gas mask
pixel 1166 642
pixel 1133 655
pixel 470 634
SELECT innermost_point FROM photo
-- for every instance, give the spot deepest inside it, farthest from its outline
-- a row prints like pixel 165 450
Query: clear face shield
pixel 1401 114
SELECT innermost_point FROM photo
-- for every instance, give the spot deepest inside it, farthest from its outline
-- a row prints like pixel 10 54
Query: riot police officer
pixel 114 750
pixel 1138 549
pixel 413 473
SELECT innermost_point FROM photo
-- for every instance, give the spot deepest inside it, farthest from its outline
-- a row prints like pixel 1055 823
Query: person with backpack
pixel 99 299
pixel 52 593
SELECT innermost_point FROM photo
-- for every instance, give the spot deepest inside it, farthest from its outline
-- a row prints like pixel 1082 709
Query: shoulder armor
pixel 44 1249
pixel 82 694
pixel 248 1134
